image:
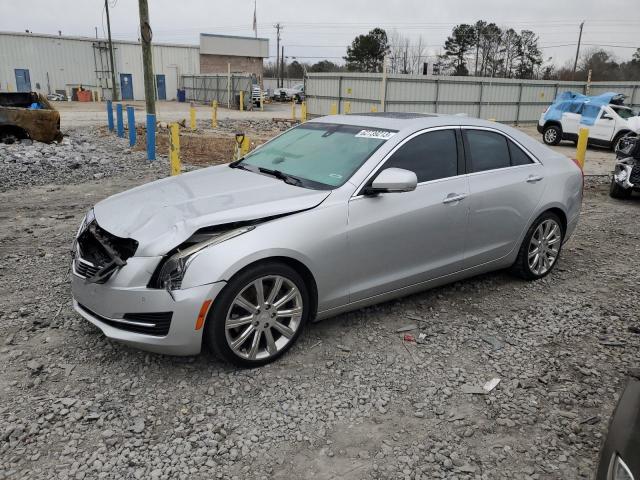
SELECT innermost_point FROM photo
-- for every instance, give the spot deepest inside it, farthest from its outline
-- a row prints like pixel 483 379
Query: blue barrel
pixel 182 97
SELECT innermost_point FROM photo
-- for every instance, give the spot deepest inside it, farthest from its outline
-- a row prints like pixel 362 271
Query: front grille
pixel 98 253
pixel 635 175
pixel 156 324
pixel 84 268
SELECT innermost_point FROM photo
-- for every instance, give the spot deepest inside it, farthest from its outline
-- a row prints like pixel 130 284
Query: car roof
pixel 407 123
pixel 405 120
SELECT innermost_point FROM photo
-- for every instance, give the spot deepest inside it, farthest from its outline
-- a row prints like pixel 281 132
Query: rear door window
pixel 487 150
pixel 431 156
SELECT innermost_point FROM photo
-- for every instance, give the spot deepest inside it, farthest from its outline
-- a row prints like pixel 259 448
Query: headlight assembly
pixel 173 268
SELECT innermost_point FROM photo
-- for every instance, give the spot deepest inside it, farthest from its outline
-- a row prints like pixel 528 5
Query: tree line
pixel 482 49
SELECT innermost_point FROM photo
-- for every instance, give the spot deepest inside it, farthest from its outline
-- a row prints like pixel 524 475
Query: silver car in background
pixel 333 215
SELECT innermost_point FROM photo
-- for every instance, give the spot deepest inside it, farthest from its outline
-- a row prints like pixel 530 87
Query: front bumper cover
pixel 113 302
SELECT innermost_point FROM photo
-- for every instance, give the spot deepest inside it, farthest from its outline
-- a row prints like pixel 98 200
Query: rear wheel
pixel 617 191
pixel 552 135
pixel 259 315
pixel 540 249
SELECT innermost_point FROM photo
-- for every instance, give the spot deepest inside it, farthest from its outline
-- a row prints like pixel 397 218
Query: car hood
pixel 163 214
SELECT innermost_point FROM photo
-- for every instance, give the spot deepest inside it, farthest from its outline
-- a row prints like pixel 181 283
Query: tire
pixel 220 337
pixel 552 135
pixel 616 191
pixel 523 264
pixel 8 138
pixel 616 139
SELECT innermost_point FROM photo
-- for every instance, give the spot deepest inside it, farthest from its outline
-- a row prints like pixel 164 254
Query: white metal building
pixel 50 63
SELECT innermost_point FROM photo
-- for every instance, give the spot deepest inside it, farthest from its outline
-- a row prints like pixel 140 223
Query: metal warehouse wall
pixel 70 61
pixel 505 100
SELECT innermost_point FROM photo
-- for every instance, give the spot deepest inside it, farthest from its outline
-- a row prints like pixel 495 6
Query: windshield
pixel 623 112
pixel 321 155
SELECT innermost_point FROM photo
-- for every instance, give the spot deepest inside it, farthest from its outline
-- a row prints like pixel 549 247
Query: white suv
pixel 612 122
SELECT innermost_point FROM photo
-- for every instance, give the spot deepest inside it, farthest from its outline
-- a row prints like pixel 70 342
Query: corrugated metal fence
pixel 223 88
pixel 504 100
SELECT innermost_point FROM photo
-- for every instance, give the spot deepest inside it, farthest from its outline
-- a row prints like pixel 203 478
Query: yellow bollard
pixel 334 109
pixel 241 100
pixel 581 151
pixel 347 107
pixel 192 114
pixel 174 149
pixel 293 110
pixel 245 146
pixel 214 114
pixel 303 112
pixel 374 109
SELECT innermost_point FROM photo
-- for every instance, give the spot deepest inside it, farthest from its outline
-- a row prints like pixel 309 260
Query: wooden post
pixel 214 114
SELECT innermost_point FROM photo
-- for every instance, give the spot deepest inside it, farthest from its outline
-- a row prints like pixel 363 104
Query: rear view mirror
pixel 392 180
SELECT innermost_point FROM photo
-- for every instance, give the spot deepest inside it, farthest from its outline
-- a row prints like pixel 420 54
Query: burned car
pixel 28 115
pixel 626 174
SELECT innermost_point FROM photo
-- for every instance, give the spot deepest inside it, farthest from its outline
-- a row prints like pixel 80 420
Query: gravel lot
pixel 351 400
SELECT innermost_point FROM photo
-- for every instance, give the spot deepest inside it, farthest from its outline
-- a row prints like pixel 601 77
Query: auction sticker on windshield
pixel 381 134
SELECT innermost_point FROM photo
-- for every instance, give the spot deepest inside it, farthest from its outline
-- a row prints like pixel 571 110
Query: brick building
pixel 242 54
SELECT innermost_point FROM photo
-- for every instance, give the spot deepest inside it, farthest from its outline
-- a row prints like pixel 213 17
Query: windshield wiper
pixel 282 176
pixel 238 164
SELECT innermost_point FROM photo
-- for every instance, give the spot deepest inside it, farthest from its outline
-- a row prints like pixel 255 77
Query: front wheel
pixel 552 135
pixel 259 315
pixel 540 249
pixel 617 191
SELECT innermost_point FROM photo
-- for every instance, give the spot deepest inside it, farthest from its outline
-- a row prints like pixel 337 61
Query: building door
pixel 126 86
pixel 161 87
pixel 23 80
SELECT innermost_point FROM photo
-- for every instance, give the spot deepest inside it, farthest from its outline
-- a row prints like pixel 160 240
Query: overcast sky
pixel 314 30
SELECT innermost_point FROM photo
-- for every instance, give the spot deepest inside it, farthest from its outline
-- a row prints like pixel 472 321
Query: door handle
pixel 454 197
pixel 534 178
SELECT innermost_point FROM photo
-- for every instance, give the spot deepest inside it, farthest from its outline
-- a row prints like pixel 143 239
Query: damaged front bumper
pixel 627 173
pixel 110 289
pixel 149 319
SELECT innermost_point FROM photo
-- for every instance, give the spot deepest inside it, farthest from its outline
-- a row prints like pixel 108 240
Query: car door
pixel 400 239
pixel 506 184
pixel 604 126
pixel 571 119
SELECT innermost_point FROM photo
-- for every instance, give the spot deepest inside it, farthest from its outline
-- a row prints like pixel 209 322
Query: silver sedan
pixel 333 215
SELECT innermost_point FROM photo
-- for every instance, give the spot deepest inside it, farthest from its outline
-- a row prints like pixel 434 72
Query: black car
pixel 620 454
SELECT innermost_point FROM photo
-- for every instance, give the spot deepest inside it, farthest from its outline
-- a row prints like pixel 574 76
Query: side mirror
pixel 392 180
pixel 606 116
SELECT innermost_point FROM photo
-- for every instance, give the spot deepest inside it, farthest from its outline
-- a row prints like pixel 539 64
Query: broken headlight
pixel 173 268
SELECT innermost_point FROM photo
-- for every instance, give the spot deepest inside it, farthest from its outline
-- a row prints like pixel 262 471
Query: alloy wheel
pixel 544 247
pixel 264 317
pixel 550 135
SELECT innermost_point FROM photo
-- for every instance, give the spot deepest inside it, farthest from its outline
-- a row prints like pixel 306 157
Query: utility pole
pixel 282 67
pixel 149 85
pixel 575 64
pixel 278 27
pixel 147 59
pixel 114 90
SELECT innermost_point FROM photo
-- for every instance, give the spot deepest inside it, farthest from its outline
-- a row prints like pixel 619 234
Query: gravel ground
pixel 351 400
